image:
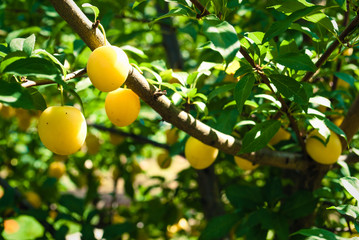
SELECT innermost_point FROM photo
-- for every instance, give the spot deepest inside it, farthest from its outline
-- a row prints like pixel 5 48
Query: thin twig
pixel 341 39
pixel 201 8
pixel 31 83
pixel 138 138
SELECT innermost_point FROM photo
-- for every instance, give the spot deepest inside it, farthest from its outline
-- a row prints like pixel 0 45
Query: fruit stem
pixel 62 95
pixel 104 33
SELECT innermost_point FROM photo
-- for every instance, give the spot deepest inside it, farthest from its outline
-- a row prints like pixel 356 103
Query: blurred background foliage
pixel 114 188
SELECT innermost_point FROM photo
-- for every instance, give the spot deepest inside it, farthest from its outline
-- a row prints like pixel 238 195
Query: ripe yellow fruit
pixel 7 112
pixel 164 160
pixel 348 52
pixel 57 169
pixel 11 226
pixel 33 198
pixel 245 164
pixel 171 136
pixel 122 106
pixel 281 135
pixel 324 154
pixel 107 68
pixel 198 154
pixel 93 144
pixel 62 129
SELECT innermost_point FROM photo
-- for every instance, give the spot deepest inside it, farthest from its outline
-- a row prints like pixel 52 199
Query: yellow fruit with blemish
pixel 198 154
pixel 122 106
pixel 62 129
pixel 108 68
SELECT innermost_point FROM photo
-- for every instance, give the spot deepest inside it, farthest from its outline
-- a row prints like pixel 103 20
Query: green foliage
pixel 119 190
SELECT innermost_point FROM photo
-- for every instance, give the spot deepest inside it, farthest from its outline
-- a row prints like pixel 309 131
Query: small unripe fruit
pixel 122 106
pixel 164 160
pixel 34 199
pixel 108 68
pixel 199 155
pixel 57 169
pixel 62 129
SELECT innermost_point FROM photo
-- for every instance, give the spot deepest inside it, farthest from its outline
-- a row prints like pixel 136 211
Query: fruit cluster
pixel 63 129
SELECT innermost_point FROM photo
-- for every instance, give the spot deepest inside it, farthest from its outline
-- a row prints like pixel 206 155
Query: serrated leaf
pixel 93 8
pixel 351 184
pixel 290 88
pixel 259 136
pixel 218 227
pixel 296 61
pixel 223 37
pixel 243 90
pixel 29 44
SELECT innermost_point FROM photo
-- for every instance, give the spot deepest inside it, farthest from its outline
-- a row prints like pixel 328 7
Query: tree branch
pixel 31 83
pixel 341 39
pixel 138 138
pixel 169 112
pixel 201 8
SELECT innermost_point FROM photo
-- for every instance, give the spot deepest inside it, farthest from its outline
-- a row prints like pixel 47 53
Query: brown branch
pixel 201 8
pixel 350 124
pixel 341 39
pixel 169 112
pixel 285 107
pixel 31 83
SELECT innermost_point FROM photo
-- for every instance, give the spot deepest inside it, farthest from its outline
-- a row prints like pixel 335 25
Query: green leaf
pixel 16 44
pixel 15 95
pixel 29 44
pixel 335 128
pixel 223 37
pixel 115 231
pixel 280 27
pixel 218 227
pixel 134 50
pixel 318 234
pixel 351 184
pixel 22 32
pixel 290 88
pixel 93 8
pixel 221 89
pixel 346 77
pixel 10 58
pixel 37 98
pixel 347 210
pixel 296 61
pixel 244 196
pixel 72 203
pixel 243 90
pixel 259 136
pixel 47 55
pixel 36 68
pixel 300 204
pixel 172 13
